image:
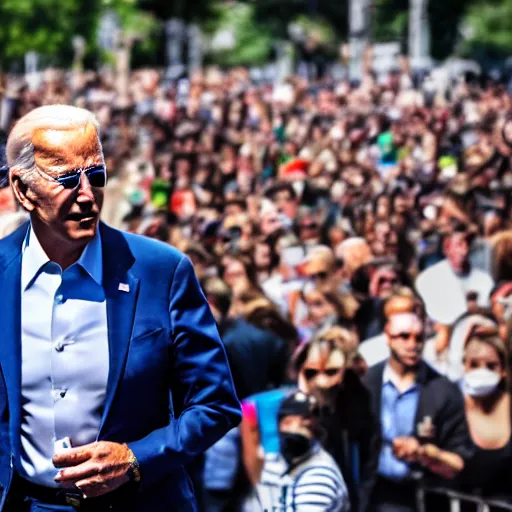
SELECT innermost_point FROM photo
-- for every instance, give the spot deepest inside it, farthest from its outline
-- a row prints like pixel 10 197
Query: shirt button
pixel 59 347
pixel 59 298
pixel 58 393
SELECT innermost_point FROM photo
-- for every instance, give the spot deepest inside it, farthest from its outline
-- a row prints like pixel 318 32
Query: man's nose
pixel 322 382
pixel 85 193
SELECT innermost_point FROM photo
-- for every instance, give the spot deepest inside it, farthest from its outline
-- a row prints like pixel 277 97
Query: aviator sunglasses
pixel 96 174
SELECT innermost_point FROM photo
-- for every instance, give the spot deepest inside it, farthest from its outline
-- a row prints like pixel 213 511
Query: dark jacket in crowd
pixel 352 438
pixel 258 359
pixel 440 400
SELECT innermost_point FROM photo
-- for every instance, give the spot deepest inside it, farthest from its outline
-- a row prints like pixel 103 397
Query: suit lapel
pixel 10 346
pixel 121 305
pixel 121 289
pixel 375 382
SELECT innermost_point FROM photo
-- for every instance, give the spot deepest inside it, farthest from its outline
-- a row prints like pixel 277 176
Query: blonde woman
pixel 488 412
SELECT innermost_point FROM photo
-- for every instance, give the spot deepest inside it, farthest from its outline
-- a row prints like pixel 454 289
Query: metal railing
pixel 458 499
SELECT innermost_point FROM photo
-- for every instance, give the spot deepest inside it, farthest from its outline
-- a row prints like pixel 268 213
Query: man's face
pixel 402 204
pixel 309 229
pixel 233 209
pixel 71 215
pixel 319 308
pixel 262 256
pixel 286 203
pixel 318 271
pixel 405 337
pixel 322 373
pixel 386 281
pixel 456 249
pixel 270 222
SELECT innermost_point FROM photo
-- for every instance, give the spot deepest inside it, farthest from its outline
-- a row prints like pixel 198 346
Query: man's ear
pixel 21 191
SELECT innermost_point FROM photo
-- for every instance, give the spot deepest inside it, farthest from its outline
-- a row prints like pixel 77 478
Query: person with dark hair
pixel 258 357
pixel 489 415
pixel 302 476
pixel 421 413
pixel 444 286
pixel 113 374
pixel 283 195
pixel 324 367
pixel 258 361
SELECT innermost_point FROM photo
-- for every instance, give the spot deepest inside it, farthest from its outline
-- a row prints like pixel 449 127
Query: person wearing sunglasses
pixel 423 426
pixel 327 368
pixel 95 323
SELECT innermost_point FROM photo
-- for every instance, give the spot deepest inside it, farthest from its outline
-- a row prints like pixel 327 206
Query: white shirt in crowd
pixel 444 292
pixel 315 485
pixel 65 358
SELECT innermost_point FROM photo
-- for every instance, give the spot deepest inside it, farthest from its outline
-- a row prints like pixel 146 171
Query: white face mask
pixel 481 382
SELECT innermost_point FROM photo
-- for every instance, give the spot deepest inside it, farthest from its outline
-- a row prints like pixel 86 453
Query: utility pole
pixel 419 35
pixel 359 11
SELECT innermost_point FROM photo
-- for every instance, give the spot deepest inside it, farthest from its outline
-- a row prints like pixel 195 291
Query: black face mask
pixel 293 446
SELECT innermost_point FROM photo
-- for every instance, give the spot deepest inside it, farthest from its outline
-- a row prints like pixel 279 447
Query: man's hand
pixel 440 462
pixel 96 468
pixel 406 449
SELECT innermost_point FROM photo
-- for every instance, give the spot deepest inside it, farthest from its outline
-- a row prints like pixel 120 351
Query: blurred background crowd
pixel 353 236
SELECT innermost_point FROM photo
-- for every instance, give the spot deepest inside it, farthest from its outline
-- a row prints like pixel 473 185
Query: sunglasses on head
pixel 319 275
pixel 407 335
pixel 312 225
pixel 96 174
pixel 389 280
pixel 310 373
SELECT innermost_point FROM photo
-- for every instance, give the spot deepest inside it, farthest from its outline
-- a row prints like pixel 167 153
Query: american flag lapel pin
pixel 124 287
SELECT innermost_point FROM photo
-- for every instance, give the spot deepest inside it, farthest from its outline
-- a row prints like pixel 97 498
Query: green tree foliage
pixel 489 25
pixel 44 26
pixel 390 20
pixel 445 17
pixel 277 14
pixel 140 26
pixel 253 39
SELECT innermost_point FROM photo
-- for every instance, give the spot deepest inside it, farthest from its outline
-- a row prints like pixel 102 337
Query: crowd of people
pixel 354 243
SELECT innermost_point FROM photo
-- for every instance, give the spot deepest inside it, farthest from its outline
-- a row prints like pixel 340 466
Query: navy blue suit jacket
pixel 170 394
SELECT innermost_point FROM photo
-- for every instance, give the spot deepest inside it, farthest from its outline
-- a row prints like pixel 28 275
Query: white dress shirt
pixel 444 292
pixel 65 358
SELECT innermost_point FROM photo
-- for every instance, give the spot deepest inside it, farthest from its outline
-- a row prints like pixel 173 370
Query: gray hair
pixel 20 149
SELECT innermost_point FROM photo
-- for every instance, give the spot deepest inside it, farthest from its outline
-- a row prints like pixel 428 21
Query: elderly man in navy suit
pixel 112 373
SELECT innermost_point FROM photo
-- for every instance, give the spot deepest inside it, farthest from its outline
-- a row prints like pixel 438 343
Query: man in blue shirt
pixel 113 376
pixel 423 425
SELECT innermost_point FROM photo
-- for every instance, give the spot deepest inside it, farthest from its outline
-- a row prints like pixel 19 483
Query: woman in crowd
pixel 326 368
pixel 326 307
pixel 238 271
pixel 489 415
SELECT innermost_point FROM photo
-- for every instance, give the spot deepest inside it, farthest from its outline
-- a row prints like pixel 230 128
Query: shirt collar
pixel 392 377
pixel 35 258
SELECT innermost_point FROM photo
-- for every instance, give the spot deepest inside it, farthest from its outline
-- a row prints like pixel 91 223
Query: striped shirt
pixel 314 485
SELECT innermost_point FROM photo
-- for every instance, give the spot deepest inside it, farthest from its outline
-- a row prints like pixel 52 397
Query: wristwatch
pixel 134 471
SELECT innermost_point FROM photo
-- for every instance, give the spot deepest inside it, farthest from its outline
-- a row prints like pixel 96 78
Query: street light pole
pixel 358 36
pixel 419 34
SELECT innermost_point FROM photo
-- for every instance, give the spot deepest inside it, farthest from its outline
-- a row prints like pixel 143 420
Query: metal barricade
pixel 458 499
